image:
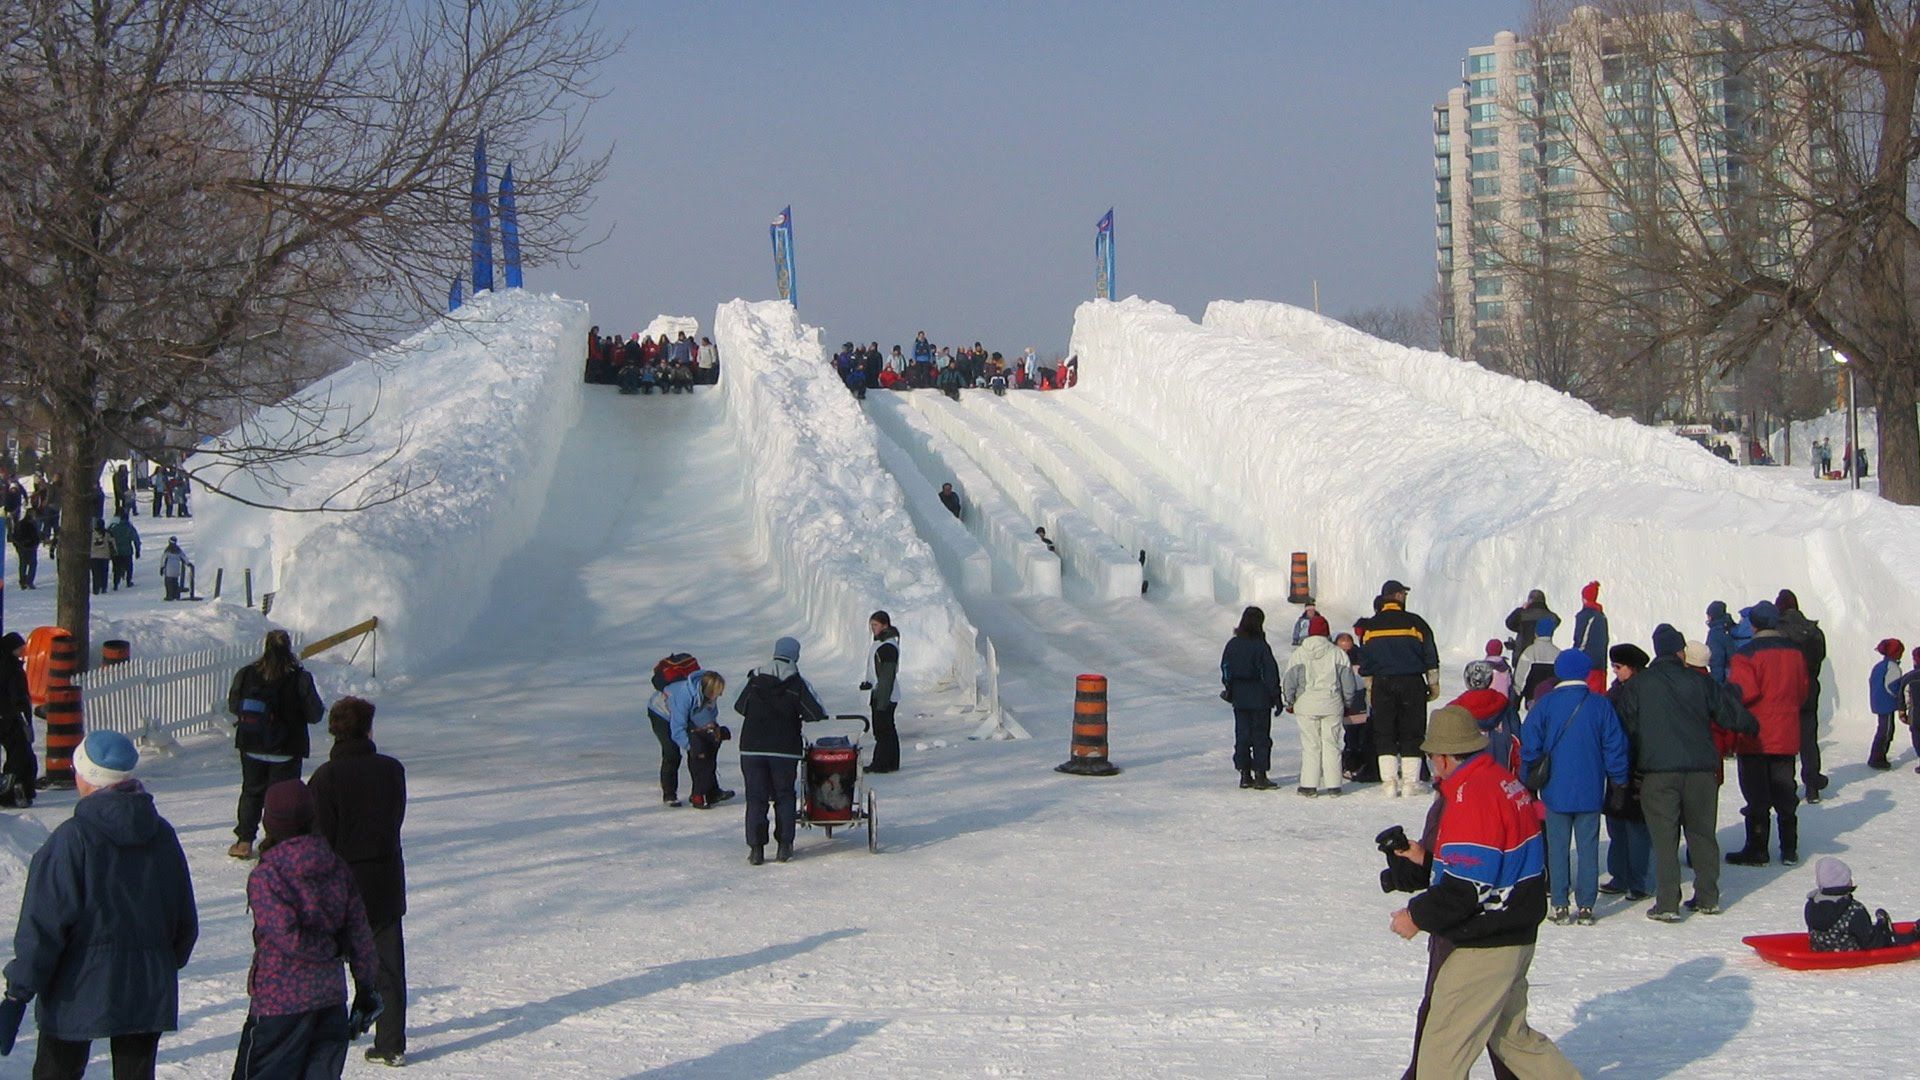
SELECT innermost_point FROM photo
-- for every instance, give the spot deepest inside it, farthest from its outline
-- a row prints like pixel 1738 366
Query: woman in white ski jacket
pixel 1316 684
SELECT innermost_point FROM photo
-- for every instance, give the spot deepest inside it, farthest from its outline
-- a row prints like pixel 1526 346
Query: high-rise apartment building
pixel 1514 142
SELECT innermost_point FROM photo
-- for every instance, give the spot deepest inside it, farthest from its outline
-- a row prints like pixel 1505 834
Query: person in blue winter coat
pixel 1250 683
pixel 1581 734
pixel 1885 697
pixel 107 921
pixel 1720 642
pixel 692 709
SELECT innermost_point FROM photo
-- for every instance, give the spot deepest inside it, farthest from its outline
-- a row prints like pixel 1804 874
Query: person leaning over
pixel 1487 897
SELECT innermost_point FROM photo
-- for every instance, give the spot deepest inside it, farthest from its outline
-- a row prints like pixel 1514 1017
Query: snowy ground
pixel 1017 923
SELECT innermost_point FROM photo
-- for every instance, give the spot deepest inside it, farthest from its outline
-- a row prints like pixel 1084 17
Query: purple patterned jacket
pixel 307 917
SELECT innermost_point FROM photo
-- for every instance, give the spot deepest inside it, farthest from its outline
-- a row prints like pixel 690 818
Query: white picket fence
pixel 175 695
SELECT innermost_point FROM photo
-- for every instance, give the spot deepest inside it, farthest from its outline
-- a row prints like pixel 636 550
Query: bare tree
pixel 1748 174
pixel 1415 326
pixel 198 193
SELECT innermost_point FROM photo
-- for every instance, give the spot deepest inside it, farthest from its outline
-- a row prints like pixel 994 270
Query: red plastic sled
pixel 1793 951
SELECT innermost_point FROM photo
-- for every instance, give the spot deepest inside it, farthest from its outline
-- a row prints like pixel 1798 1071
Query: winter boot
pixel 1389 774
pixel 756 854
pixel 784 852
pixel 1261 783
pixel 1755 853
pixel 1410 775
pixel 1246 778
pixel 1789 842
pixel 241 849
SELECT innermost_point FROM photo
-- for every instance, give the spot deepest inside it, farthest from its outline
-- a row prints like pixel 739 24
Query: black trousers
pixel 305 1046
pixel 390 1031
pixel 1766 782
pixel 99 569
pixel 886 739
pixel 173 587
pixel 66 1059
pixel 122 570
pixel 669 757
pixel 1883 738
pixel 17 741
pixel 1399 714
pixel 1810 773
pixel 29 559
pixel 769 781
pixel 1253 739
pixel 701 763
pixel 255 778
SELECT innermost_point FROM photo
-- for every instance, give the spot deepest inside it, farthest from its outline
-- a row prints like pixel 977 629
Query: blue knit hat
pixel 787 649
pixel 105 758
pixel 1572 664
pixel 1763 615
pixel 1717 610
pixel 1546 626
pixel 1667 641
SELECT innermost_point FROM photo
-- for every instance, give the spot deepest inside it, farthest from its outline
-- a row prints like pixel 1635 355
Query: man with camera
pixel 1482 894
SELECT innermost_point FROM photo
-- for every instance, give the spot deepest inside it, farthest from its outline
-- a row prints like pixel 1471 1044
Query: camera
pixel 1392 841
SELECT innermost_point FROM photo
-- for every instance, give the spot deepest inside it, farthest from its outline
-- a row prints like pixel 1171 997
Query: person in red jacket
pixel 1770 673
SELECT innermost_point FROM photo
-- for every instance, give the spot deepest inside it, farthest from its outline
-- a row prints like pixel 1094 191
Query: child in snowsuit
pixel 1885 699
pixel 1836 922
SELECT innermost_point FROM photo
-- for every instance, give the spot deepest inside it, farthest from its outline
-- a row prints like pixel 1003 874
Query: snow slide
pixel 466 417
pixel 826 514
pixel 1473 487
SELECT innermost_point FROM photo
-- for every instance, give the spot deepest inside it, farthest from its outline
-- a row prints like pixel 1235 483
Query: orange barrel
pixel 1089 753
pixel 1299 589
pixel 39 658
pixel 63 659
pixel 115 652
pixel 64 729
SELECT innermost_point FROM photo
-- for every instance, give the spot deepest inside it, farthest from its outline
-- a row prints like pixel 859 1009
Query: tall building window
pixel 1489 286
pixel 1482 63
pixel 1486 185
pixel 1485 113
pixel 1486 162
pixel 1486 136
pixel 1488 311
pixel 1483 88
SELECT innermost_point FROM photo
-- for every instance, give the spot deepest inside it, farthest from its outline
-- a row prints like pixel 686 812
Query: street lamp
pixel 1853 422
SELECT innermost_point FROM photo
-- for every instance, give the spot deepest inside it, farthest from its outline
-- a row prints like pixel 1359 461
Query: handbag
pixel 1540 772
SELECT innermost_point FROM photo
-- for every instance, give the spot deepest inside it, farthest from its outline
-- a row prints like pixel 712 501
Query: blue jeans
pixel 1630 854
pixel 1563 830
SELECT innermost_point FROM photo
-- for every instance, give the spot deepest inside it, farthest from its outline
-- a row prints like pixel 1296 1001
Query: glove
pixel 866 686
pixel 367 1008
pixel 12 1011
pixel 1433 691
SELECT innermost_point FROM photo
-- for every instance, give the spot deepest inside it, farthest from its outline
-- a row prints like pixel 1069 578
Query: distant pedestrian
pixel 950 499
pixel 1317 684
pixel 99 556
pixel 883 691
pixel 26 537
pixel 16 725
pixel 107 920
pixel 126 548
pixel 1590 635
pixel 1770 674
pixel 1885 699
pixel 1250 684
pixel 1523 619
pixel 173 568
pixel 1404 663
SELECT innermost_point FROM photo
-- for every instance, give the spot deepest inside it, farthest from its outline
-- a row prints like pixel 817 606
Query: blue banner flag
pixel 1103 257
pixel 782 232
pixel 482 224
pixel 509 230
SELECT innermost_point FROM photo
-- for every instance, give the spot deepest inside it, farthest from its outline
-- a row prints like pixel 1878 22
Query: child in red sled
pixel 1836 922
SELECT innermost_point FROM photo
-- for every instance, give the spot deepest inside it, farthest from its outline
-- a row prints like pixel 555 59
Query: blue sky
pixel 946 162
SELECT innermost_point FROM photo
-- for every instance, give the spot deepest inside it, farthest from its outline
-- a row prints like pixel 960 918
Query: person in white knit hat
pixel 106 923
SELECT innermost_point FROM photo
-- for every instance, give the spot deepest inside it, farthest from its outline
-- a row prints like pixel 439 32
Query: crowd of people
pixel 641 364
pixel 943 368
pixel 1533 756
pixel 30 515
pixel 109 917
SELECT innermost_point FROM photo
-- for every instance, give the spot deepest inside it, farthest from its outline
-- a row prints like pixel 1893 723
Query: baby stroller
pixel 833 796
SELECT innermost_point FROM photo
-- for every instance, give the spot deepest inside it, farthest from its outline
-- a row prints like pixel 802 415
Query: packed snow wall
pixel 465 418
pixel 827 515
pixel 1472 487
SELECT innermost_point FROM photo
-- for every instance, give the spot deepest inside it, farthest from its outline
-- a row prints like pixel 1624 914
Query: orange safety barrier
pixel 41 672
pixel 115 652
pixel 1089 752
pixel 64 730
pixel 1299 588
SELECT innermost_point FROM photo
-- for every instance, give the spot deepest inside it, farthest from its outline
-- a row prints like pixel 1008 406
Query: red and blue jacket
pixel 1489 864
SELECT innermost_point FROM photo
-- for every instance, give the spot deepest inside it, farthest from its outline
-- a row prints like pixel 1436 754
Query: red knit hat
pixel 1494 648
pixel 1892 648
pixel 1591 594
pixel 1317 626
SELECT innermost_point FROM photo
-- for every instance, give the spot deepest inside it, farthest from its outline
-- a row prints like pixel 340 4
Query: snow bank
pixel 470 412
pixel 1473 487
pixel 827 515
pixel 673 326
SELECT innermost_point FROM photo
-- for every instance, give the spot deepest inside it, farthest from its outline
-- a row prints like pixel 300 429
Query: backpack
pixel 673 669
